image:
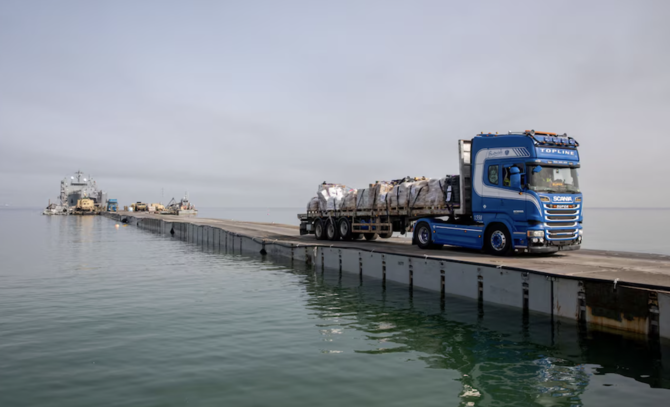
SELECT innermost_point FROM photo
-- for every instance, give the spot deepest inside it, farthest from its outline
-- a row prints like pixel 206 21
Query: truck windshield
pixel 559 180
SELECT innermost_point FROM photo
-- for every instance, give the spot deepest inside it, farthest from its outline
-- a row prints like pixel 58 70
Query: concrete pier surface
pixel 626 291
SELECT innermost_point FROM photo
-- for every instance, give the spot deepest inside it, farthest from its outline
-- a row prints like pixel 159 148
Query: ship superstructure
pixel 80 186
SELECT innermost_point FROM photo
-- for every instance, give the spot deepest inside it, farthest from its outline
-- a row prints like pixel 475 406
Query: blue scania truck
pixel 519 192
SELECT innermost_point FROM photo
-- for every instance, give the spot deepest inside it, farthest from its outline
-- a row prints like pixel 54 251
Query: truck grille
pixel 564 218
pixel 569 212
pixel 561 234
pixel 559 224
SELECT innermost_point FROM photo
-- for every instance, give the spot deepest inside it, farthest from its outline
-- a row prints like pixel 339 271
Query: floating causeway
pixel 618 290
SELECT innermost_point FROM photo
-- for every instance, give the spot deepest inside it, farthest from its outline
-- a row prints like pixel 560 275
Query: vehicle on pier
pixel 139 207
pixel 515 192
pixel 112 205
pixel 156 207
pixel 85 206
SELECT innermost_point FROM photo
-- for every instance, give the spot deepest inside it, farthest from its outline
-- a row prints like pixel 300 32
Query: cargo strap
pixel 409 213
pixel 386 199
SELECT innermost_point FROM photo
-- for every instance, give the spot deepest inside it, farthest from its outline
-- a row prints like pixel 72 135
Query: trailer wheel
pixel 386 235
pixel 332 232
pixel 370 236
pixel 319 231
pixel 497 240
pixel 356 236
pixel 344 226
pixel 423 236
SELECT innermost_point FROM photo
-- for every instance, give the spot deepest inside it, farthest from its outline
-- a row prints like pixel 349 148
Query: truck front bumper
pixel 553 249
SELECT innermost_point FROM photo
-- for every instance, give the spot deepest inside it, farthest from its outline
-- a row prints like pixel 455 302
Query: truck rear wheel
pixel 319 230
pixel 497 240
pixel 344 227
pixel 332 232
pixel 356 236
pixel 370 236
pixel 386 235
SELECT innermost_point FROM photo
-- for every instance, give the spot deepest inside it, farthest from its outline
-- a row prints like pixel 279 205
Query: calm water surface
pixel 95 315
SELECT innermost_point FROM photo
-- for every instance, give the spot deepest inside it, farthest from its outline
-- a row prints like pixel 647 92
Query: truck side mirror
pixel 515 181
pixel 537 169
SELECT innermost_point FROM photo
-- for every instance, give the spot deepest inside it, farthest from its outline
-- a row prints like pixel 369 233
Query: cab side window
pixel 507 174
pixel 493 174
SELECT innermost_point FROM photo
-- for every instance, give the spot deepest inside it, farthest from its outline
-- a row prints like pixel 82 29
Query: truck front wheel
pixel 497 240
pixel 424 237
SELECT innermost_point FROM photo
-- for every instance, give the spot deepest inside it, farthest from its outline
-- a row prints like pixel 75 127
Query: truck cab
pixel 525 196
pixel 112 205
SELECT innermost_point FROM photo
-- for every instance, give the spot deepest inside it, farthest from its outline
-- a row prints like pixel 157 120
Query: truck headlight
pixel 536 233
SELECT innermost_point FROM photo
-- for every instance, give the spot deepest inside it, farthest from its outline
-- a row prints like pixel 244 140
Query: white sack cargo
pixel 313 204
pixel 380 191
pixel 410 194
pixel 436 192
pixel 363 199
pixel 417 194
pixel 331 196
pixel 373 197
pixel 349 201
pixel 407 194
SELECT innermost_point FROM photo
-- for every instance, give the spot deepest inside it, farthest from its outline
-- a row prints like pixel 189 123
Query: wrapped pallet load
pixel 424 192
pixel 436 193
pixel 427 194
pixel 331 196
pixel 411 193
pixel 417 194
pixel 349 201
pixel 397 197
pixel 363 199
pixel 313 204
pixel 373 197
pixel 380 191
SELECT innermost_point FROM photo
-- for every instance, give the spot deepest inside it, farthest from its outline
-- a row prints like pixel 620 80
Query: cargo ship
pixel 74 189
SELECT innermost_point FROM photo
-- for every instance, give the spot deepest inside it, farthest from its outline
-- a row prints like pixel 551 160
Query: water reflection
pixel 504 357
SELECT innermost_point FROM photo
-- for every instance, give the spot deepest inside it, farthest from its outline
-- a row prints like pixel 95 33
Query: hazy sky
pixel 254 103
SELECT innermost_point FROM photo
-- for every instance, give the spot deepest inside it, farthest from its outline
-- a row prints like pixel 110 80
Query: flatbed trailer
pixel 377 221
pixel 382 222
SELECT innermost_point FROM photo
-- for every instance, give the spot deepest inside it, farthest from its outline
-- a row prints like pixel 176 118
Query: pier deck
pixel 636 268
pixel 625 291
